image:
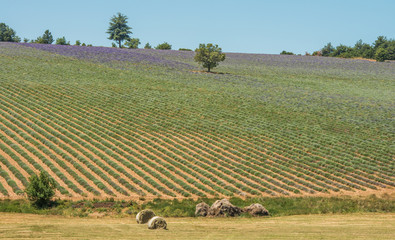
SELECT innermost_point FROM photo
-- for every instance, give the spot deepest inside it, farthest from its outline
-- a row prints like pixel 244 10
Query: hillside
pixel 107 122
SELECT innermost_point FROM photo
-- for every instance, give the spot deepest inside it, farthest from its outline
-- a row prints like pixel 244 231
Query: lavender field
pixel 131 123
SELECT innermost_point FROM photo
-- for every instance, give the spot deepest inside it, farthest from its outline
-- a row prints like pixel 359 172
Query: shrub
pixel 62 41
pixel 41 189
pixel 164 46
pixel 286 53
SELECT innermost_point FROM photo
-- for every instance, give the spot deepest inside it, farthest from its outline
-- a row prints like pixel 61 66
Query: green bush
pixel 41 189
pixel 164 46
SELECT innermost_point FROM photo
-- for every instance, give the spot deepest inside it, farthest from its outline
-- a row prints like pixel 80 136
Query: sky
pixel 248 26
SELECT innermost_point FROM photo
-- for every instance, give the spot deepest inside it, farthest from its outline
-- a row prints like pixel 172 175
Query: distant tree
pixel 62 41
pixel 286 53
pixel 317 53
pixel 46 38
pixel 327 50
pixel 381 54
pixel 363 50
pixel 113 45
pixel 119 29
pixel 209 55
pixel 342 51
pixel 40 189
pixel 132 43
pixel 77 43
pixel 185 49
pixel 163 46
pixel 381 41
pixel 147 46
pixel 25 40
pixel 83 44
pixel 8 34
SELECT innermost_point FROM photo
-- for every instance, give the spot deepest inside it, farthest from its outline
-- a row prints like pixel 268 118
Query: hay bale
pixel 144 216
pixel 223 208
pixel 157 223
pixel 202 209
pixel 256 209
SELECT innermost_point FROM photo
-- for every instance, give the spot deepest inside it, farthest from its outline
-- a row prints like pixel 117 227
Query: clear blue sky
pixel 252 26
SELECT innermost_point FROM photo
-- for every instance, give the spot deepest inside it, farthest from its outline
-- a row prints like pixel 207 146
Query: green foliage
pixel 327 50
pixel 185 49
pixel 62 41
pixel 77 43
pixel 41 189
pixel 163 46
pixel 25 40
pixel 132 43
pixel 147 46
pixel 8 34
pixel 209 55
pixel 278 206
pixel 381 54
pixel 286 53
pixel 83 44
pixel 46 38
pixel 381 50
pixel 119 29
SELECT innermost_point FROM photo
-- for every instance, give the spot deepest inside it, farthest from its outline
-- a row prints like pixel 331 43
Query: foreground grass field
pixel 350 226
pixel 131 124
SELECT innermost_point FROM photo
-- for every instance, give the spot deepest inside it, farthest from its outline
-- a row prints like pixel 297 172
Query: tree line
pixel 382 49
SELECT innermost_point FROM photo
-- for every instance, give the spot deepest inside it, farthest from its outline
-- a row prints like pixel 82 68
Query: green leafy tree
pixel 25 40
pixel 8 34
pixel 62 41
pixel 327 50
pixel 209 55
pixel 342 51
pixel 147 46
pixel 363 50
pixel 381 41
pixel 77 43
pixel 41 189
pixel 119 29
pixel 46 38
pixel 286 53
pixel 133 43
pixel 381 55
pixel 163 46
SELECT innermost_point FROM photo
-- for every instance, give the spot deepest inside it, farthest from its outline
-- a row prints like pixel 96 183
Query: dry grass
pixel 355 226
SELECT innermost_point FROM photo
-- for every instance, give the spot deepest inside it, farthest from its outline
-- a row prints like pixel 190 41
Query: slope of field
pixel 106 122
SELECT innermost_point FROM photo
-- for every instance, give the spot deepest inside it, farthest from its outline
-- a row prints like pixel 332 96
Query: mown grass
pixel 330 226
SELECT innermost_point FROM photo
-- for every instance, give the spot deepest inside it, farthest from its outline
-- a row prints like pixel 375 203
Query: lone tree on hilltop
pixel 41 189
pixel 209 55
pixel 8 34
pixel 119 29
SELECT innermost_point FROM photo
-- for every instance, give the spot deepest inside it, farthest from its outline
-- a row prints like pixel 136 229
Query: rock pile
pixel 202 209
pixel 223 208
pixel 256 209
